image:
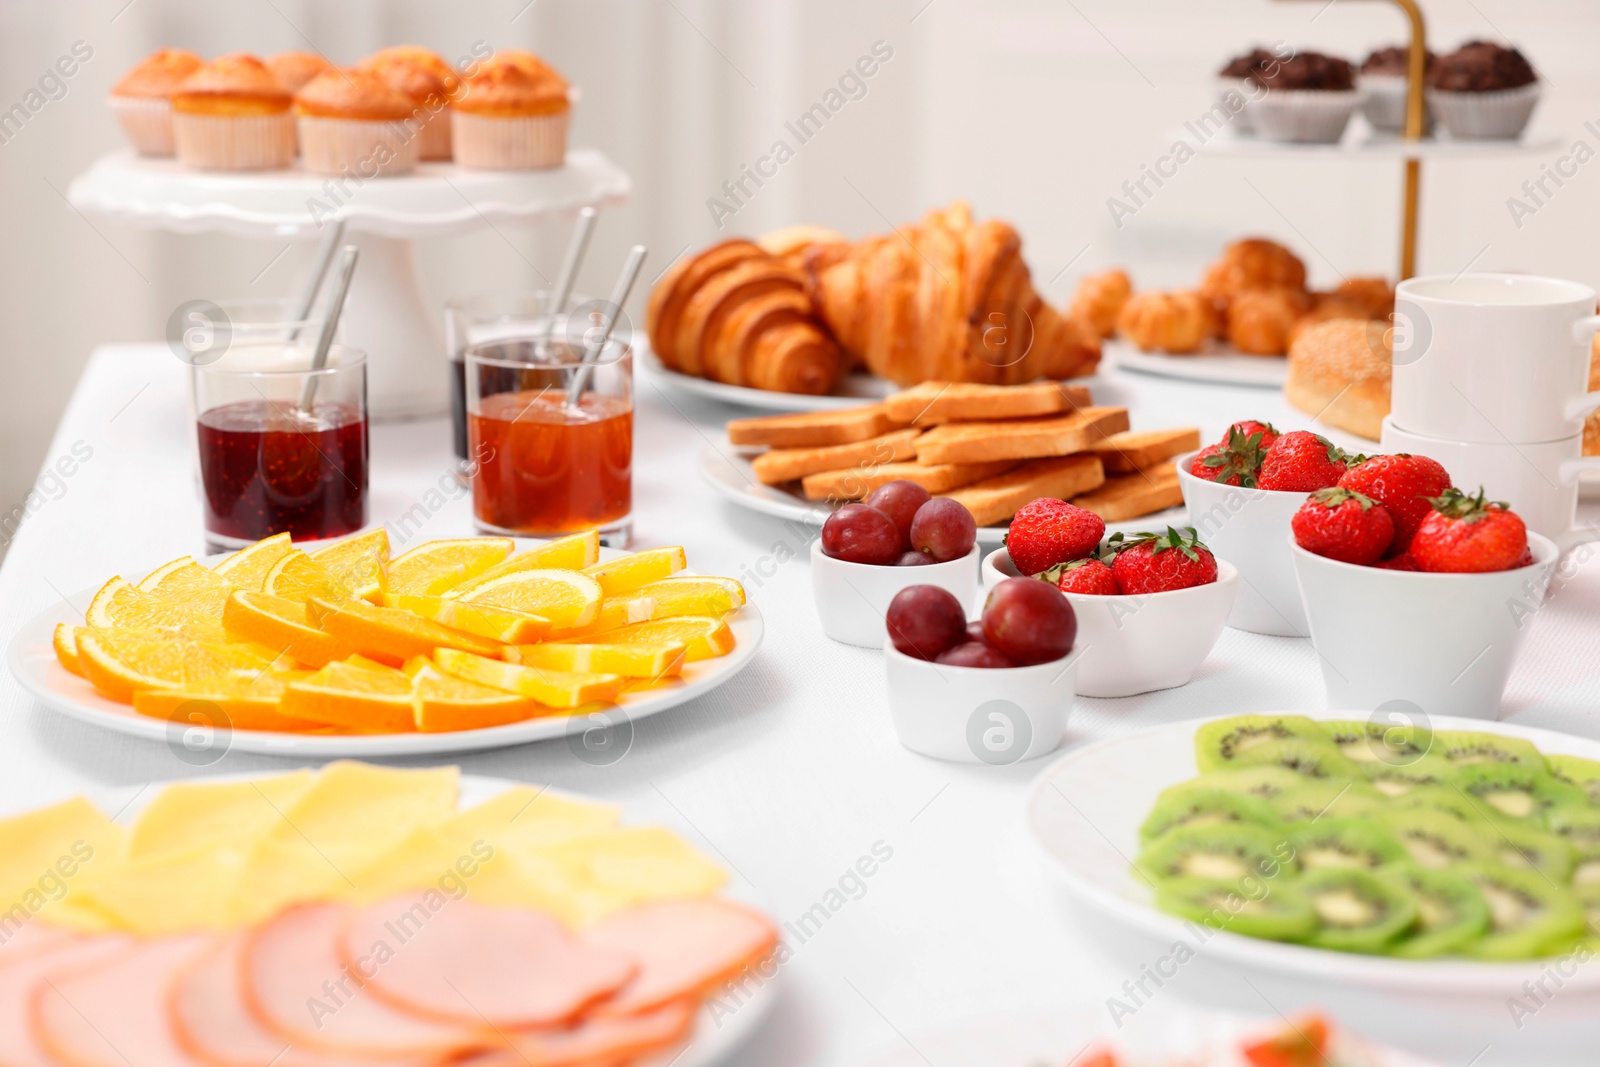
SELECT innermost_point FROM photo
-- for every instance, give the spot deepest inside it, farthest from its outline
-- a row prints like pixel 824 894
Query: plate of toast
pixel 993 448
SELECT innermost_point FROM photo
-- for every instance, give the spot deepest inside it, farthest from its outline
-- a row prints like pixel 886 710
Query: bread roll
pixel 1339 372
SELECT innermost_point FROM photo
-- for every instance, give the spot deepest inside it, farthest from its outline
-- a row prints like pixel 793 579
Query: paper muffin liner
pixel 1383 101
pixel 146 122
pixel 1242 122
pixel 435 137
pixel 234 142
pixel 531 142
pixel 365 148
pixel 1310 116
pixel 1495 116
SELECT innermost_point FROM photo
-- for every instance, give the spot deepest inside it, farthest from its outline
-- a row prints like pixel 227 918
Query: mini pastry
pixel 1385 78
pixel 233 114
pixel 1100 299
pixel 1175 323
pixel 1310 98
pixel 429 83
pixel 353 122
pixel 296 69
pixel 1259 320
pixel 1339 372
pixel 1254 263
pixel 142 100
pixel 1483 91
pixel 511 114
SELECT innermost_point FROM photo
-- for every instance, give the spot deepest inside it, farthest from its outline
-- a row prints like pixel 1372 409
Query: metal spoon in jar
pixel 613 312
pixel 330 322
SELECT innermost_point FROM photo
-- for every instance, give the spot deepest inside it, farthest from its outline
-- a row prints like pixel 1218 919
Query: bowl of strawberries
pixel 1150 606
pixel 1423 599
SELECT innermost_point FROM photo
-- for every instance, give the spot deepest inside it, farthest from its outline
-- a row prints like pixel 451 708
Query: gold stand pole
pixel 1415 123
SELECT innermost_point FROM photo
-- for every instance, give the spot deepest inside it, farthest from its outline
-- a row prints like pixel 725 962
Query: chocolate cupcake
pixel 1385 77
pixel 1309 98
pixel 1236 88
pixel 1483 91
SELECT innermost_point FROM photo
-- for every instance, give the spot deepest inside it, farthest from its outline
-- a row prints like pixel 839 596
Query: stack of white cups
pixel 1491 377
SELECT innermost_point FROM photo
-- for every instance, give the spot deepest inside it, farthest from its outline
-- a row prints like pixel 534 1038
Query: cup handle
pixel 1583 332
pixel 1572 469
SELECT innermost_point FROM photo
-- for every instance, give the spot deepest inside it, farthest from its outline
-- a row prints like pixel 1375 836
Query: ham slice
pixel 299 987
pixel 112 1012
pixel 596 1041
pixel 683 947
pixel 19 941
pixel 21 971
pixel 456 960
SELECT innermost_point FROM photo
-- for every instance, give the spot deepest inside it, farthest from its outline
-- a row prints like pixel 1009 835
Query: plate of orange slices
pixel 453 645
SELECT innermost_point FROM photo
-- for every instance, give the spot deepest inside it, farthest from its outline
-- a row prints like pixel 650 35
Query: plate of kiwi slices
pixel 1460 856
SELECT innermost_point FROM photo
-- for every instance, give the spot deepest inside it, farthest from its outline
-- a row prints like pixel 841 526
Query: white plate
pixel 33 663
pixel 729 473
pixel 1218 363
pixel 1084 811
pixel 852 391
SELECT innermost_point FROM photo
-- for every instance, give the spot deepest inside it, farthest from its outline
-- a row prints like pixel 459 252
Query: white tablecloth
pixel 789 773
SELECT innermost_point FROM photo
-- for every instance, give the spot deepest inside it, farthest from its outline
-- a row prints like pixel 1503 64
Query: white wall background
pixel 1036 110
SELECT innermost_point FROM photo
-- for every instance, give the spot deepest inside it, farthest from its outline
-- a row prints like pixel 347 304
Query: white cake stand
pixel 387 315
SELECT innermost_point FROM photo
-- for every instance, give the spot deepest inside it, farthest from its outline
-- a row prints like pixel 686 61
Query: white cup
pixel 1539 480
pixel 1492 358
pixel 852 598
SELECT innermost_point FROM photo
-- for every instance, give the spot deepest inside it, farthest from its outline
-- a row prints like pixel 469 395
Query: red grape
pixel 1029 620
pixel 899 500
pixel 859 534
pixel 975 631
pixel 944 529
pixel 924 620
pixel 975 654
pixel 913 559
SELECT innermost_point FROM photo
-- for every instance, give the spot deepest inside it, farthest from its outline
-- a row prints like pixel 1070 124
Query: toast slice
pixel 812 429
pixel 938 478
pixel 787 464
pixel 1143 450
pixel 932 403
pixel 1017 439
pixel 1129 496
pixel 997 499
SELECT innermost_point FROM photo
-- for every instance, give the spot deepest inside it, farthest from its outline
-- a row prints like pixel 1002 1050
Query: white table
pixel 790 773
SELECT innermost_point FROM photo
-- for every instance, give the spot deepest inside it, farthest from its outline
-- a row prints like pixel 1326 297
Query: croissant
pixel 737 314
pixel 1175 323
pixel 946 299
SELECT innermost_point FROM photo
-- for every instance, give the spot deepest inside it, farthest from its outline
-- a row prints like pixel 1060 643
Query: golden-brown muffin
pixel 1374 295
pixel 353 120
pixel 296 69
pixel 233 114
pixel 159 74
pixel 142 99
pixel 1259 320
pixel 430 83
pixel 1253 263
pixel 352 94
pixel 1339 372
pixel 511 114
pixel 1099 301
pixel 1177 323
pixel 234 84
pixel 513 84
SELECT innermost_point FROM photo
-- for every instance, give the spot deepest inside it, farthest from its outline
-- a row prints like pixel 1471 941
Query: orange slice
pixel 614 612
pixel 298 577
pixel 563 554
pixel 282 626
pixel 240 701
pixel 119 605
pixel 499 624
pixel 120 662
pixel 439 566
pixel 627 573
pixel 248 567
pixel 638 660
pixel 65 643
pixel 358 562
pixel 566 598
pixel 557 689
pixel 692 596
pixel 344 694
pixel 390 635
pixel 443 703
pixel 706 638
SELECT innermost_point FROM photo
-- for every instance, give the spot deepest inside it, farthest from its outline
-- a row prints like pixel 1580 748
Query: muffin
pixel 1483 91
pixel 1385 76
pixel 1235 78
pixel 429 83
pixel 233 114
pixel 1310 98
pixel 355 122
pixel 296 69
pixel 511 114
pixel 142 100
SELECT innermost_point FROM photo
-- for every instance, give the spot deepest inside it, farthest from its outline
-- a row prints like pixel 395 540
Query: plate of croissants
pixel 1235 328
pixel 806 319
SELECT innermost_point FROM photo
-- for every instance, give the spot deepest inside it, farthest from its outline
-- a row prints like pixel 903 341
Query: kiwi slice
pixel 1589 900
pixel 1319 798
pixel 1464 747
pixel 1529 915
pixel 1450 912
pixel 1283 914
pixel 1516 791
pixel 1586 867
pixel 1309 758
pixel 1446 798
pixel 1224 852
pixel 1436 839
pixel 1349 843
pixel 1379 743
pixel 1580 826
pixel 1225 743
pixel 1202 806
pixel 1266 782
pixel 1398 779
pixel 1357 911
pixel 1583 773
pixel 1529 848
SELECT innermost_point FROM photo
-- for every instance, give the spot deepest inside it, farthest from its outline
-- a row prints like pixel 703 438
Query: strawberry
pixel 1403 484
pixel 1468 534
pixel 1050 531
pixel 1248 427
pixel 1237 461
pixel 1402 562
pixel 1303 1043
pixel 1344 525
pixel 1159 563
pixel 1302 462
pixel 1090 576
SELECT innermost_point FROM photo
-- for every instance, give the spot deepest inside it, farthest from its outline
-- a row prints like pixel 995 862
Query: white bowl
pixel 852 598
pixel 1138 644
pixel 1247 528
pixel 1442 642
pixel 997 716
